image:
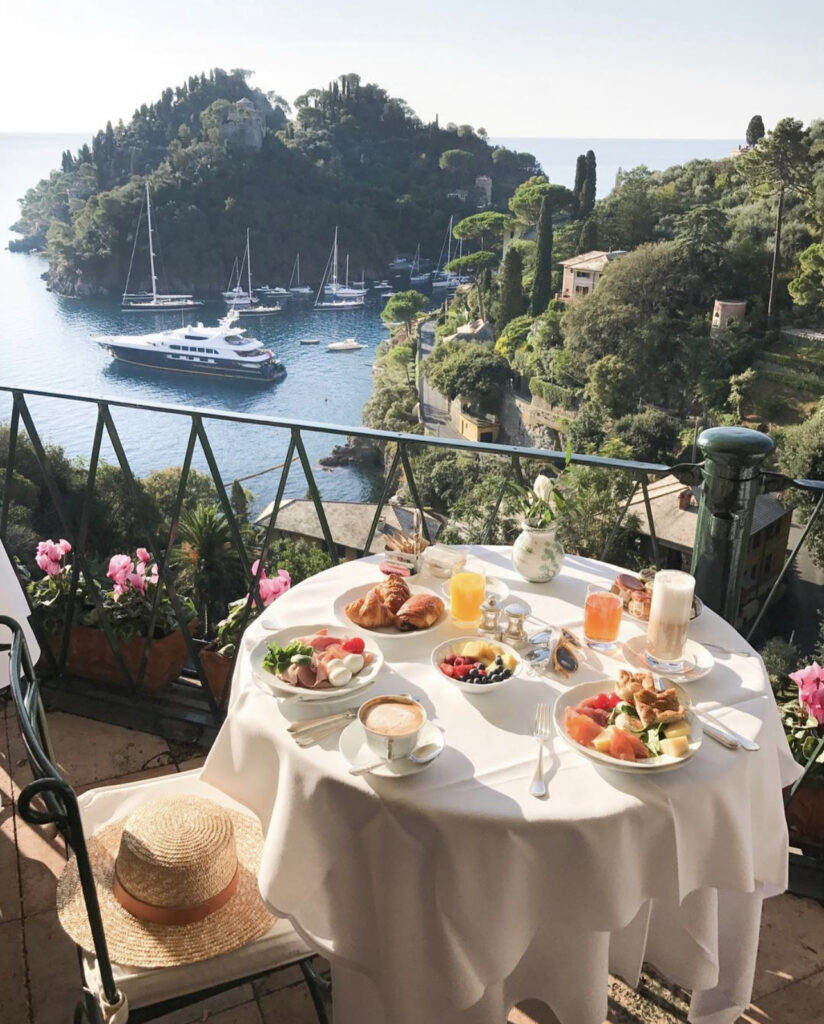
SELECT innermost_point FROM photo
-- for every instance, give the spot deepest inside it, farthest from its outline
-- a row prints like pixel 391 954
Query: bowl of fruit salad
pixel 476 666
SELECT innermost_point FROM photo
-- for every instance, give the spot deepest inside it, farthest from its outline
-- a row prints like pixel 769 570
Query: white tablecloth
pixel 454 894
pixel 13 603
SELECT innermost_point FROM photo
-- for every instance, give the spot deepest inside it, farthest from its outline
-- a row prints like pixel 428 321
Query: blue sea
pixel 47 341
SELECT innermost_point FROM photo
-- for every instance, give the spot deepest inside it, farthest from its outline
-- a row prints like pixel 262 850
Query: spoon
pixel 423 754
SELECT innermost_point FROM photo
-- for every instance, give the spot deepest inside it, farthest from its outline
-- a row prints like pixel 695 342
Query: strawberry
pixel 461 671
pixel 447 669
pixel 354 646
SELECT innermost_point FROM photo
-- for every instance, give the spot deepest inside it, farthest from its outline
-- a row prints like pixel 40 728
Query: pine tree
pixel 580 178
pixel 755 130
pixel 512 289
pixel 239 502
pixel 588 239
pixel 590 183
pixel 542 284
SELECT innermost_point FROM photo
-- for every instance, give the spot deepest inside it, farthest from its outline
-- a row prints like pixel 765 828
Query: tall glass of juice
pixel 602 617
pixel 467 590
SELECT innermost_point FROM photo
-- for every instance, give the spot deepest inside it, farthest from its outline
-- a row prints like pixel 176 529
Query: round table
pixel 453 894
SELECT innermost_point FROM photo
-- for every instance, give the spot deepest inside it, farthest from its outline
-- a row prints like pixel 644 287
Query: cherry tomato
pixel 355 645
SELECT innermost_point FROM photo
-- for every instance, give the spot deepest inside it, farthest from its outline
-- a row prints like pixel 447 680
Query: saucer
pixel 355 751
pixel 696 656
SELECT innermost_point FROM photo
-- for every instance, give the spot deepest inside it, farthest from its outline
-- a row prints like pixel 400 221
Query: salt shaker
pixel 515 632
pixel 490 626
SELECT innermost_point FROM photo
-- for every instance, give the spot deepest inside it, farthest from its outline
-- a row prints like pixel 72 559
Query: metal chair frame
pixel 63 811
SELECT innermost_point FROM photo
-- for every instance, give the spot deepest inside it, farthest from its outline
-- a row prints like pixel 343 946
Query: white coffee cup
pixel 392 723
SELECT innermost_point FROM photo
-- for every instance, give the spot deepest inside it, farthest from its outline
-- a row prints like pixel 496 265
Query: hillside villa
pixel 581 273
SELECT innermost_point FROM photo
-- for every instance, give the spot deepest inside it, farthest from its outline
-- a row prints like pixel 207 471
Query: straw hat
pixel 176 881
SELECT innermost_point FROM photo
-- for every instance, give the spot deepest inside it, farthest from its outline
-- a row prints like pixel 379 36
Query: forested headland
pixel 221 155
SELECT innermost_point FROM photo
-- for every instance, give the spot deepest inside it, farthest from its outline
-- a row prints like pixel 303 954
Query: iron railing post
pixel 733 457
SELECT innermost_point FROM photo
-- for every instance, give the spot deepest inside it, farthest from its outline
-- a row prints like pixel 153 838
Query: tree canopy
pixel 471 371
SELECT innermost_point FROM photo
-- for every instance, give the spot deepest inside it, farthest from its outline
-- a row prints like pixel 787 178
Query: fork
pixel 541 732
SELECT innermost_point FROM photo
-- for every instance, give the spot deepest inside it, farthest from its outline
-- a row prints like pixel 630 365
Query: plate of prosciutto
pixel 629 725
pixel 315 662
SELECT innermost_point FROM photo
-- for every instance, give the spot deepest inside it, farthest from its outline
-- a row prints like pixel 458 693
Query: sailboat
pixel 344 291
pixel 153 300
pixel 297 288
pixel 241 299
pixel 442 278
pixel 330 278
pixel 415 275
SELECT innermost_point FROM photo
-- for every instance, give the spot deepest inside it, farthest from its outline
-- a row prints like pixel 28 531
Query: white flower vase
pixel 537 554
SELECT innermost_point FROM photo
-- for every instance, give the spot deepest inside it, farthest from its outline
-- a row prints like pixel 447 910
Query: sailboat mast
pixel 346 282
pixel 297 265
pixel 151 246
pixel 335 261
pixel 449 241
pixel 248 264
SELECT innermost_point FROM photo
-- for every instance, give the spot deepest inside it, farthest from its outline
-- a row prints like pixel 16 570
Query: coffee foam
pixel 393 718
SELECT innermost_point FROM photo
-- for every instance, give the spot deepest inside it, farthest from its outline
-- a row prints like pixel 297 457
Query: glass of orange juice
pixel 602 617
pixel 467 592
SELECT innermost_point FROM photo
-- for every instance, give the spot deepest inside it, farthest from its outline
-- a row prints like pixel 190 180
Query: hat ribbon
pixel 173 915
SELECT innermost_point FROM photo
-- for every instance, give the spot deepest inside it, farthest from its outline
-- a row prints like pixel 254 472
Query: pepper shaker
pixel 515 632
pixel 490 626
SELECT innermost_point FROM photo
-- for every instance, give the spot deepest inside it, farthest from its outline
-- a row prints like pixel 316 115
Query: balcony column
pixel 733 457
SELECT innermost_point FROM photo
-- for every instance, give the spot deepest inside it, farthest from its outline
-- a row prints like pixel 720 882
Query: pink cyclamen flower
pixel 153 574
pixel 270 588
pixel 255 565
pixel 810 681
pixel 137 580
pixel 64 546
pixel 120 566
pixel 49 557
pixel 143 555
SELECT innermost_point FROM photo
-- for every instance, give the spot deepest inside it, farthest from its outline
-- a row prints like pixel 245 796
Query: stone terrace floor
pixel 39 981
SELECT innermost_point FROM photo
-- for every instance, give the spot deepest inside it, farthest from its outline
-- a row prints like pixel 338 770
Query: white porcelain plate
pixel 272 684
pixel 355 751
pixel 697 660
pixel 353 593
pixel 664 763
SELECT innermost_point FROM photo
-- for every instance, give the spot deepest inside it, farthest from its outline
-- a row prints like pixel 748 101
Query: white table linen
pixel 453 894
pixel 13 603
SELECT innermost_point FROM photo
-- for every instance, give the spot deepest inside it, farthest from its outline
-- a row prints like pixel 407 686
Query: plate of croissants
pixel 392 607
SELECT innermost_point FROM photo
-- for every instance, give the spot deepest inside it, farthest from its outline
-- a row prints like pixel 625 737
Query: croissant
pixel 393 592
pixel 420 612
pixel 370 612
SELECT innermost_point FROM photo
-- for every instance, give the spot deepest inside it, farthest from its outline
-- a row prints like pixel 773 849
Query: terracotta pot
pixel 216 670
pixel 805 817
pixel 91 657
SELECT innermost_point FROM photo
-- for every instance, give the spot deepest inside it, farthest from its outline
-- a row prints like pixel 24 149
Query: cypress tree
pixel 542 285
pixel 755 130
pixel 588 191
pixel 580 178
pixel 512 289
pixel 588 239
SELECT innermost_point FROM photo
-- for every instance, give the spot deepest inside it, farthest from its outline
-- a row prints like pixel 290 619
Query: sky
pixel 530 68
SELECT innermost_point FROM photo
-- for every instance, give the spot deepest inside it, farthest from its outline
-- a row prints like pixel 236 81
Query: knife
pixel 711 724
pixel 309 724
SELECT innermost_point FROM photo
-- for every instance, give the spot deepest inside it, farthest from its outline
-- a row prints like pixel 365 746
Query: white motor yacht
pixel 220 351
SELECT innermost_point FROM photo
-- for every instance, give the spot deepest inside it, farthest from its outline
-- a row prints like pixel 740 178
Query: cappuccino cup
pixel 392 724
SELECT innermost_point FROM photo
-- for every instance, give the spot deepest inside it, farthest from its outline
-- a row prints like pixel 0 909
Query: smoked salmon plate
pixel 628 724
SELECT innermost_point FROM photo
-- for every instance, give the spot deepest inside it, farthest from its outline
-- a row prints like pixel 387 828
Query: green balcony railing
pixel 731 475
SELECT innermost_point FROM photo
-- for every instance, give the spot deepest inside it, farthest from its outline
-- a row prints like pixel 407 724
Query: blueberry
pixel 499 661
pixel 507 672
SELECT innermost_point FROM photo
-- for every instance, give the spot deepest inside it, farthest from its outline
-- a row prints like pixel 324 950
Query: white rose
pixel 543 488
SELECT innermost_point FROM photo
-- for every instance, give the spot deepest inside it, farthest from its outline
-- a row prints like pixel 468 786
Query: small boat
pixel 220 351
pixel 269 292
pixel 310 341
pixel 258 310
pixel 381 284
pixel 387 295
pixel 153 301
pixel 350 345
pixel 297 288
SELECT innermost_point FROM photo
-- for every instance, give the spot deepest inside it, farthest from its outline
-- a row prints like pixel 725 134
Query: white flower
pixel 543 488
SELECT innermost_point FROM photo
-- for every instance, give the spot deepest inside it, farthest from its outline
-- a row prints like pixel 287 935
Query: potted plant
pixel 802 713
pixel 128 610
pixel 537 553
pixel 217 656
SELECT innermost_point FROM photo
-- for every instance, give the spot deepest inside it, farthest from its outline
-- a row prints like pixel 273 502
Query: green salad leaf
pixel 652 738
pixel 622 709
pixel 278 658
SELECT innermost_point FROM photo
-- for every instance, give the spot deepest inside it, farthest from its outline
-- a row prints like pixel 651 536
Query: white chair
pixel 112 993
